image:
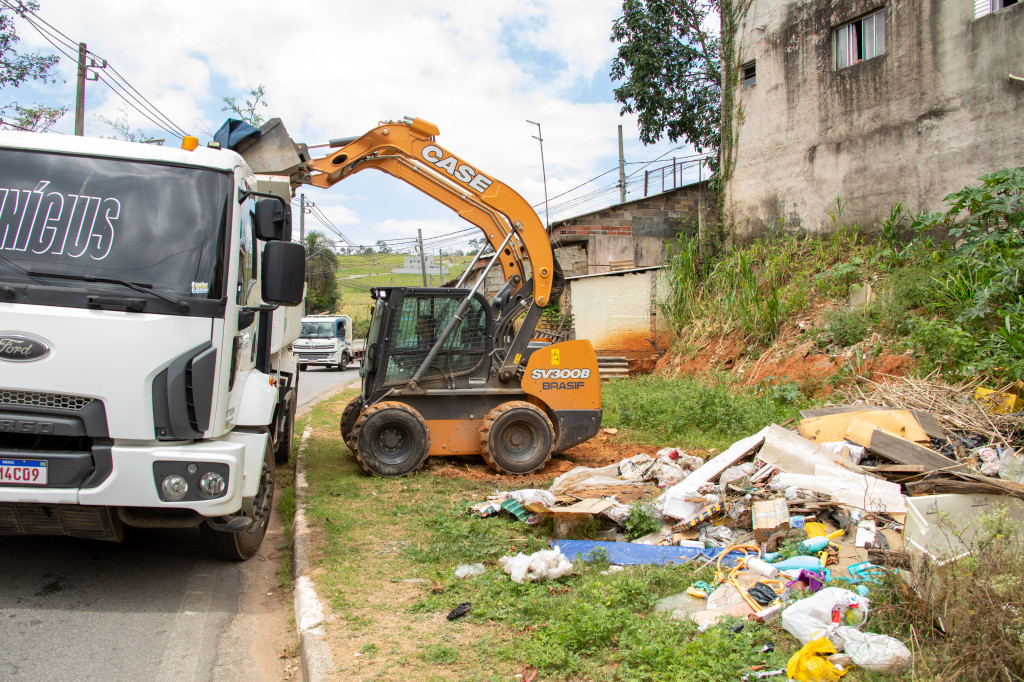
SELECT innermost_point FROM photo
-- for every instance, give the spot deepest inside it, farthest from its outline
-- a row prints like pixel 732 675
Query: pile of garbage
pixel 852 493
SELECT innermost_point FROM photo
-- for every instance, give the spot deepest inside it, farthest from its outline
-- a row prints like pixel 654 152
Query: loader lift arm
pixel 407 150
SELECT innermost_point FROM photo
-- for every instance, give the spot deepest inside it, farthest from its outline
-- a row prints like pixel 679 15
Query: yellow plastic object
pixel 188 143
pixel 1000 402
pixel 815 529
pixel 810 665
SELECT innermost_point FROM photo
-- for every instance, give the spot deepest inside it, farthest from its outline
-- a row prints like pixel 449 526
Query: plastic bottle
pixel 755 565
pixel 818 543
pixel 807 563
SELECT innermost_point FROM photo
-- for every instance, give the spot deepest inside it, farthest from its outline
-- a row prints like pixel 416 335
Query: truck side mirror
pixel 284 272
pixel 273 220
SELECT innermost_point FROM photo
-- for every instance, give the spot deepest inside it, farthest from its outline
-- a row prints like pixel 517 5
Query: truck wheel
pixel 348 420
pixel 286 431
pixel 391 439
pixel 239 545
pixel 516 438
pixel 302 367
pixel 345 361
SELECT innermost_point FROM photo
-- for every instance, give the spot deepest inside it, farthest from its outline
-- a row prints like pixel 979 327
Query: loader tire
pixel 391 439
pixel 348 420
pixel 516 438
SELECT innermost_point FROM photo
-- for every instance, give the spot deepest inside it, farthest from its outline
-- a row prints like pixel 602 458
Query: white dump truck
pixel 148 300
pixel 324 340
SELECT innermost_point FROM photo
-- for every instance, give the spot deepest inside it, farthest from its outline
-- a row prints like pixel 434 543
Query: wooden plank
pixel 924 418
pixel 832 428
pixel 899 450
pixel 896 469
pixel 930 424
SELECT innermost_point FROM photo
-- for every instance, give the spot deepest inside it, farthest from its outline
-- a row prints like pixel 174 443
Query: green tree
pixel 668 62
pixel 382 246
pixel 321 274
pixel 247 110
pixel 16 68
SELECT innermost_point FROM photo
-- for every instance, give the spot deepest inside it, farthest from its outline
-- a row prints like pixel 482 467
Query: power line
pixel 117 83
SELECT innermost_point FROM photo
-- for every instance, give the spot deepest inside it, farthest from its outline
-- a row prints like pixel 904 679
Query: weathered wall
pixel 619 312
pixel 636 230
pixel 928 117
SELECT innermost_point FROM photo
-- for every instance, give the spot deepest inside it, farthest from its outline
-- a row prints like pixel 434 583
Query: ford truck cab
pixel 148 299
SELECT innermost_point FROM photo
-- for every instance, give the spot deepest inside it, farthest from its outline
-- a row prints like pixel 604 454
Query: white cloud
pixel 333 69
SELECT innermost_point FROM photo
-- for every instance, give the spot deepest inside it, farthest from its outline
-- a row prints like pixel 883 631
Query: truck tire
pixel 516 438
pixel 302 367
pixel 286 431
pixel 345 360
pixel 391 439
pixel 242 544
pixel 348 420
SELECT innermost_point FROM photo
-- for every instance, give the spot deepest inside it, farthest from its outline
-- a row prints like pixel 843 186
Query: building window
pixel 748 73
pixel 983 7
pixel 861 39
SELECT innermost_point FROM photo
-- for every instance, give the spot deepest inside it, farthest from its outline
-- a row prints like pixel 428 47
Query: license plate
pixel 23 471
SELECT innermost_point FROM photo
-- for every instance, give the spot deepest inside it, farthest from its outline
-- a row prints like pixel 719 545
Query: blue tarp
pixel 234 131
pixel 631 554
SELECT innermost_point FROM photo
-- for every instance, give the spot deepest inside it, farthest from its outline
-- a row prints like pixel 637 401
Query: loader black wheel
pixel 516 438
pixel 241 544
pixel 348 420
pixel 391 439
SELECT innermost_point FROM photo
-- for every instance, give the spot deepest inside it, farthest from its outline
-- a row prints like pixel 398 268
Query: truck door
pixel 246 293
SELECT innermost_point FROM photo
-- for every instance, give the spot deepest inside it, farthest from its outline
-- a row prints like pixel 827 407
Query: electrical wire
pixel 117 83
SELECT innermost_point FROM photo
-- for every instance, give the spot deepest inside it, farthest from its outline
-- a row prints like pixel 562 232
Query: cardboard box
pixel 770 516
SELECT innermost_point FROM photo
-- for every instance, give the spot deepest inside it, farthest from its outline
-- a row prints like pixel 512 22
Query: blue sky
pixel 478 70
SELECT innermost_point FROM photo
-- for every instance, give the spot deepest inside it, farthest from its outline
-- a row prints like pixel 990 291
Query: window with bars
pixel 861 39
pixel 983 7
pixel 748 73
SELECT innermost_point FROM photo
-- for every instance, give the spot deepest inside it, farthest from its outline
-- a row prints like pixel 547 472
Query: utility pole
pixel 622 170
pixel 83 75
pixel 302 218
pixel 423 257
pixel 540 138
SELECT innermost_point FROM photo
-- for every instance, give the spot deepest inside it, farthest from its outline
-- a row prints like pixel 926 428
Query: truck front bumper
pixel 134 480
pixel 318 358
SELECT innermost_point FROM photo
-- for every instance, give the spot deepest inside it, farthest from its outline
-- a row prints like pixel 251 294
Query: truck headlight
pixel 212 484
pixel 174 487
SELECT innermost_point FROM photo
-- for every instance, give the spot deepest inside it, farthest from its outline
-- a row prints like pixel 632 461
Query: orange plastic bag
pixel 810 665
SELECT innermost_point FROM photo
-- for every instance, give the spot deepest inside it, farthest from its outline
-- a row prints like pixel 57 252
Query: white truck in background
pixel 148 300
pixel 324 340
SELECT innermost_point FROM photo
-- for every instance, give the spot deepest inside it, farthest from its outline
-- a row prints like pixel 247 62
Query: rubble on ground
pixel 850 493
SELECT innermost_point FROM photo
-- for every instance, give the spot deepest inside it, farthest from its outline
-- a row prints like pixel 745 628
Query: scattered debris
pixel 459 611
pixel 542 565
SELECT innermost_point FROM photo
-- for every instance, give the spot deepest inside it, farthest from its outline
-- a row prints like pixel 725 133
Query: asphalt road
pixel 153 608
pixel 317 383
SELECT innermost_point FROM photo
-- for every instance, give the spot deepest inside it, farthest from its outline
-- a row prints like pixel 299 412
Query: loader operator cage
pixel 418 321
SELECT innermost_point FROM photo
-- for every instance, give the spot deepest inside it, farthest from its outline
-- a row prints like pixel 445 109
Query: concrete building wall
pixel 619 313
pixel 929 116
pixel 635 231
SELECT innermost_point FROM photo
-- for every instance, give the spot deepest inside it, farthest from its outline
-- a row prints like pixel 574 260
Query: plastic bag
pixel 812 617
pixel 545 564
pixel 735 474
pixel 880 653
pixel 810 665
pixel 466 570
pixel 531 496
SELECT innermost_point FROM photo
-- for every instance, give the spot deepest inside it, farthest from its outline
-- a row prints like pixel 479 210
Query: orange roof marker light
pixel 188 143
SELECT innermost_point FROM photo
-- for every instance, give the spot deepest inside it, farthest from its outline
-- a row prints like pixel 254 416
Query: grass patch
pixel 701 414
pixel 387 564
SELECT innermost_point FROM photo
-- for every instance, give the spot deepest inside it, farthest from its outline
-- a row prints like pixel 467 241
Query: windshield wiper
pixel 11 265
pixel 182 305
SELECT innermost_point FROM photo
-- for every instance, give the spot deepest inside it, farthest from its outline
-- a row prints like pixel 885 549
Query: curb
pixel 314 653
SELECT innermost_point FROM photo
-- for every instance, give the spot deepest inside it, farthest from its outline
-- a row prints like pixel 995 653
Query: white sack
pixel 545 564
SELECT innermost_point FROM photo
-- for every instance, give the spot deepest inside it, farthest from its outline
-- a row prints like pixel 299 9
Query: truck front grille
pixel 34 399
pixel 95 523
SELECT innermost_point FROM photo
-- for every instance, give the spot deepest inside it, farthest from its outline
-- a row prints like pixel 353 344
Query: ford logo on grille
pixel 22 348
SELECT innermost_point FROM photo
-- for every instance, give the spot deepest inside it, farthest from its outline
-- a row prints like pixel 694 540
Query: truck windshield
pixel 321 329
pixel 155 225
